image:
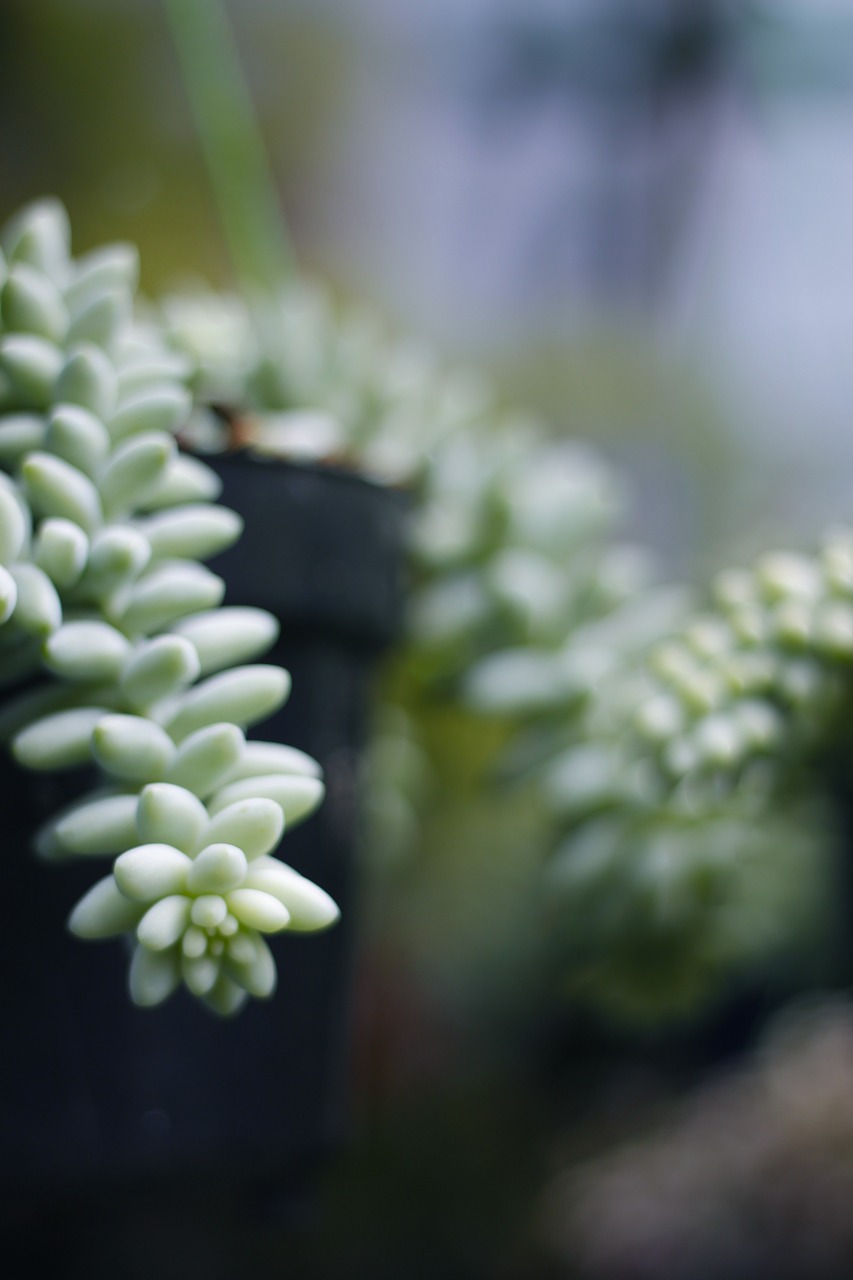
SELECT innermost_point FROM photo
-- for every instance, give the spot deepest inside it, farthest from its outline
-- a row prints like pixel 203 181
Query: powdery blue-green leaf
pixel 200 973
pixel 55 488
pixel 153 976
pixel 78 437
pixel 310 907
pixel 208 910
pixel 57 741
pixel 259 758
pixel 256 975
pixel 100 319
pixel 164 923
pixel 39 235
pixel 136 467
pixel 13 489
pixel 161 409
pixel 193 532
pixel 297 795
pixel 61 549
pixel 31 365
pixel 242 696
pixel 159 668
pixel 148 371
pixel 258 910
pixel 244 945
pixel 194 942
pixel 226 998
pixel 168 592
pixel 132 748
pixel 38 608
pixel 255 825
pixel 217 868
pixel 19 434
pixel 167 814
pixel 117 558
pixel 151 871
pixel 13 526
pixel 223 637
pixel 110 267
pixel 87 651
pixel 93 827
pixel 32 303
pixel 186 480
pixel 205 757
pixel 515 681
pixel 103 912
pixel 88 378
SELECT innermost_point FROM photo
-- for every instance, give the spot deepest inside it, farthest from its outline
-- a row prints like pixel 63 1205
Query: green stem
pixel 230 137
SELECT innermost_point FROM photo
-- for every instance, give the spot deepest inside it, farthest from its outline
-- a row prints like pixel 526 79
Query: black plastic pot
pixel 94 1091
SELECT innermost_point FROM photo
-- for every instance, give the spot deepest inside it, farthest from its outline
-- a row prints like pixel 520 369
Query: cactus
pixel 141 672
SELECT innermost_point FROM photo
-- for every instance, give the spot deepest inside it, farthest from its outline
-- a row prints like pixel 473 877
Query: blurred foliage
pixel 108 127
pixel 654 745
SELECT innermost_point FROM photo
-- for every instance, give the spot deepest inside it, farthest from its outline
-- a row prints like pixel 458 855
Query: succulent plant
pixel 314 381
pixel 667 746
pixel 692 835
pixel 199 907
pixel 106 606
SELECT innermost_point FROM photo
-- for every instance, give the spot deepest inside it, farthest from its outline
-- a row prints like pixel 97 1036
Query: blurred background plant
pixel 632 217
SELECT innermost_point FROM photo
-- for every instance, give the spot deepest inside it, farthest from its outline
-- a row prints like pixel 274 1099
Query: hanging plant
pixel 629 720
pixel 114 626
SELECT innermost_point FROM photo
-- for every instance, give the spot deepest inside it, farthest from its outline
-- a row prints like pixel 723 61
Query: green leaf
pixel 103 912
pixel 242 696
pixel 132 747
pixel 171 815
pixel 151 871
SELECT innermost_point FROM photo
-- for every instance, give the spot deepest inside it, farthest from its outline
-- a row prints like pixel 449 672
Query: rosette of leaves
pixel 199 908
pixel 109 616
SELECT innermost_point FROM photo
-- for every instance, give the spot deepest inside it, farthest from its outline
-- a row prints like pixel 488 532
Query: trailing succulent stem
pixel 115 628
pixel 681 776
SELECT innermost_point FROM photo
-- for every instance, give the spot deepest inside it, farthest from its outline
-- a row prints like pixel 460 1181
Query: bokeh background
pixel 635 216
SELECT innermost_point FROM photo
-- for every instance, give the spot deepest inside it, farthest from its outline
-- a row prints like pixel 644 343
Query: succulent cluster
pixel 659 741
pixel 678 773
pixel 115 628
pixel 314 382
pixel 513 547
pixel 511 540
